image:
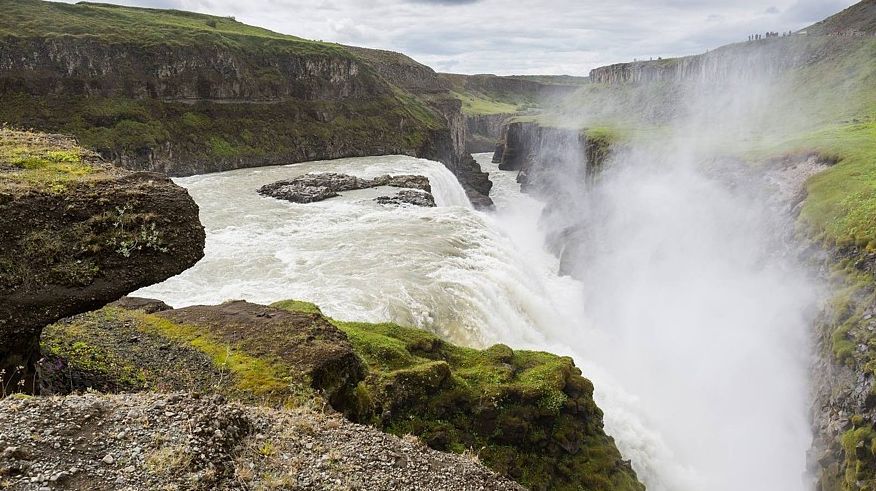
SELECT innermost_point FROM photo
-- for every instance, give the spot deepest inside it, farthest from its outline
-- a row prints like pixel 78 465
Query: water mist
pixel 697 313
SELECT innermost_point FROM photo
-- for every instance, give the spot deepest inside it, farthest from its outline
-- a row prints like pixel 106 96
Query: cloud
pixel 535 37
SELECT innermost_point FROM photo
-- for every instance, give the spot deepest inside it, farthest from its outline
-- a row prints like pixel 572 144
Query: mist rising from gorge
pixel 696 303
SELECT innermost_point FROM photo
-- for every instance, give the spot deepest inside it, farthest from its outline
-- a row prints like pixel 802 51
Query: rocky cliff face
pixel 557 165
pixel 733 63
pixel 483 131
pixel 78 234
pixel 205 99
pixel 843 455
pixel 530 415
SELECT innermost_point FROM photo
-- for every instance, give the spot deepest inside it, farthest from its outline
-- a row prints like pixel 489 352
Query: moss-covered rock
pixel 77 234
pixel 528 415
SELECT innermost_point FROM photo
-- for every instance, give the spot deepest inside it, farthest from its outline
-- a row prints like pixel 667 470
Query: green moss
pixel 529 415
pixel 859 446
pixel 94 360
pixel 253 375
pixel 297 306
pixel 41 160
pixel 514 408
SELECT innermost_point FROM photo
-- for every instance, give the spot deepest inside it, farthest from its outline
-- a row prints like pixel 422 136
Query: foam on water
pixel 474 278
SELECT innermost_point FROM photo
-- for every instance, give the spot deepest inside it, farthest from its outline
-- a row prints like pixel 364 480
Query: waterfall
pixel 691 331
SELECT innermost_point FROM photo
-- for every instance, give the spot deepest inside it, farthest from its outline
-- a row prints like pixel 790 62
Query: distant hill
pixel 857 19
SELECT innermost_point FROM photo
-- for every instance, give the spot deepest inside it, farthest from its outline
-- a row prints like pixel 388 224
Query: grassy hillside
pixel 116 24
pixel 185 93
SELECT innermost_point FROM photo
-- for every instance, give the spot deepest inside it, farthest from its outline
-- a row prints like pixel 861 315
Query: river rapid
pixel 475 278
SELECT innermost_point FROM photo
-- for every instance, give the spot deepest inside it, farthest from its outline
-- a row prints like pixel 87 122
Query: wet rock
pixel 409 197
pixel 311 188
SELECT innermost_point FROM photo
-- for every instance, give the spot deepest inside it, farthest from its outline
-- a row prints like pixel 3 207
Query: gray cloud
pixel 544 36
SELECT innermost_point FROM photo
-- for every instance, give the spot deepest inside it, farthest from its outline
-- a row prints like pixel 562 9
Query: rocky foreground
pixel 152 441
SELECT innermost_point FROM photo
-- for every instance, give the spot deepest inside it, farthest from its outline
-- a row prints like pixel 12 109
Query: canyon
pixel 712 211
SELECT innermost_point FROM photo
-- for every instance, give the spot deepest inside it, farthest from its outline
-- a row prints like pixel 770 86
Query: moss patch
pixel 131 349
pixel 42 161
pixel 528 415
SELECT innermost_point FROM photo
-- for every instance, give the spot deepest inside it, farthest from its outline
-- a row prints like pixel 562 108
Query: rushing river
pixel 482 278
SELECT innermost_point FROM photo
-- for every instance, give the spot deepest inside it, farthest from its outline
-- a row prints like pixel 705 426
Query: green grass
pixel 841 202
pixel 40 160
pixel 147 27
pixel 477 104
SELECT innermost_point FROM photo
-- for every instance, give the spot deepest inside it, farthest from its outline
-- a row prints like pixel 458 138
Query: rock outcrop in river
pixel 311 188
pixel 77 234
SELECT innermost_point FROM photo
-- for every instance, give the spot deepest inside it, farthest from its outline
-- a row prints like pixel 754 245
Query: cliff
pixel 556 164
pixel 488 101
pixel 528 415
pixel 77 234
pixel 184 93
pixel 733 63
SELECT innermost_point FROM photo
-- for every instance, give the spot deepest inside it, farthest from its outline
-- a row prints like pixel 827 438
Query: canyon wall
pixel 556 165
pixel 483 131
pixel 186 104
pixel 740 61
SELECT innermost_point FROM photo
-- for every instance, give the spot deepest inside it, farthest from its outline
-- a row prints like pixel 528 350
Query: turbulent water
pixel 448 269
pixel 669 359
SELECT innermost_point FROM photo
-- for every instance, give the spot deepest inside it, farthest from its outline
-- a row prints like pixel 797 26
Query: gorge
pixel 656 277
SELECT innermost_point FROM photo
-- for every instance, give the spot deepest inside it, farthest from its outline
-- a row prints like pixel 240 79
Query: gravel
pixel 175 441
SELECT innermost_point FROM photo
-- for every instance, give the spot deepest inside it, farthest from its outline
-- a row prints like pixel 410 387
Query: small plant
pixel 9 388
pixel 127 241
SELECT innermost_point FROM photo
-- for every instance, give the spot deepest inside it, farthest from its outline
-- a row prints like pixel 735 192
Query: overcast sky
pixel 521 37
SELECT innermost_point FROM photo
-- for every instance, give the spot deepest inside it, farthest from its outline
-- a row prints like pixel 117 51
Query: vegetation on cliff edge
pixel 528 415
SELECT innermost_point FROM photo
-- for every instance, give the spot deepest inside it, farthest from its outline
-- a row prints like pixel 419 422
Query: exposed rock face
pixel 557 165
pixel 152 441
pixel 308 344
pixel 148 305
pixel 531 415
pixel 310 188
pixel 76 244
pixel 843 455
pixel 734 63
pixel 484 131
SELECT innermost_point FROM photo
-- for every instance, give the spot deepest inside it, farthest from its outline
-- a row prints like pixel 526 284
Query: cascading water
pixel 447 269
pixel 670 362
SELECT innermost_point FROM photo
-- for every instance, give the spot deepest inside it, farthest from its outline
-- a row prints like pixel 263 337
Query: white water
pixel 479 279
